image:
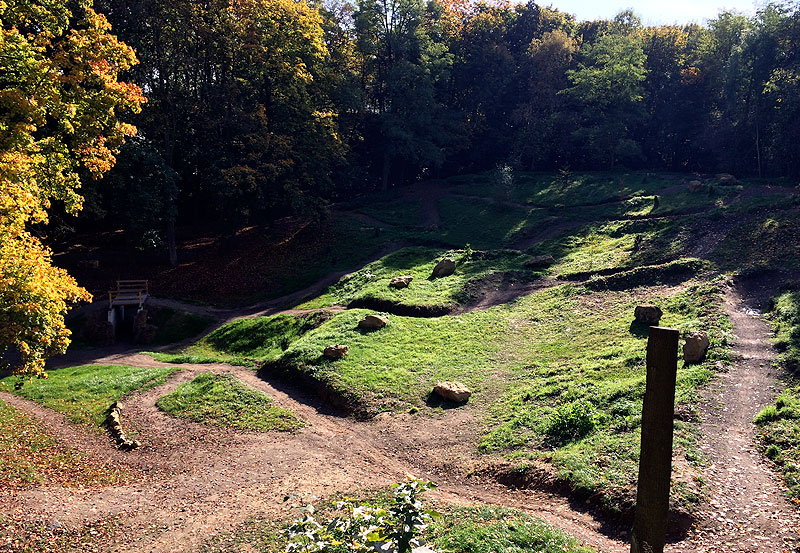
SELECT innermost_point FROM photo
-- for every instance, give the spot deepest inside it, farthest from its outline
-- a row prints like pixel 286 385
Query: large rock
pixel 452 391
pixel 694 185
pixel 540 261
pixel 648 315
pixel 401 281
pixel 335 351
pixel 372 322
pixel 445 267
pixel 726 178
pixel 696 346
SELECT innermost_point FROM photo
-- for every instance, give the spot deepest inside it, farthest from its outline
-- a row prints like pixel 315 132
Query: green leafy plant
pixel 572 421
pixel 358 527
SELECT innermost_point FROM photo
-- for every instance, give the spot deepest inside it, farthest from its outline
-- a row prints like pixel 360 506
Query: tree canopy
pixel 261 109
pixel 59 99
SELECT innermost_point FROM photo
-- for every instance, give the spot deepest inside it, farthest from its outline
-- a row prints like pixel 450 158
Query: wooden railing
pixel 129 292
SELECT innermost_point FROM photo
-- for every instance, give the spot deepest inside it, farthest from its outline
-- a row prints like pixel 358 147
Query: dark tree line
pixel 262 108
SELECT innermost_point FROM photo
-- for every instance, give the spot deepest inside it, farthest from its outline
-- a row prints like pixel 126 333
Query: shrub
pixel 360 527
pixel 572 421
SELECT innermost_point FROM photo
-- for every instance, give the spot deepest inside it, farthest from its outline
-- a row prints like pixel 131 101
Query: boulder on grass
pixel 694 185
pixel 335 351
pixel 452 391
pixel 445 267
pixel 726 178
pixel 648 315
pixel 540 261
pixel 401 281
pixel 696 346
pixel 373 322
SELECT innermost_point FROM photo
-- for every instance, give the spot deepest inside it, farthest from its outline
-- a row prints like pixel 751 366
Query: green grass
pixel 617 244
pixel 580 188
pixel 84 393
pixel 476 529
pixel 786 323
pixel 779 423
pixel 771 240
pixel 371 283
pixel 247 342
pixel 779 436
pixel 401 213
pixel 564 345
pixel 223 400
pixel 483 225
pixel 29 456
pixel 497 529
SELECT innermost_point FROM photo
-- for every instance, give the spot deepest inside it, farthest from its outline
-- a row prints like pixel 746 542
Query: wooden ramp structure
pixel 129 292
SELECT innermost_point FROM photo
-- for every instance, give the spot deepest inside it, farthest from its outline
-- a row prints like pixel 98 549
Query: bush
pixel 360 527
pixel 572 421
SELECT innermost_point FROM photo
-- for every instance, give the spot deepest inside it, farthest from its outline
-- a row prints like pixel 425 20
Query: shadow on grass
pixel 640 330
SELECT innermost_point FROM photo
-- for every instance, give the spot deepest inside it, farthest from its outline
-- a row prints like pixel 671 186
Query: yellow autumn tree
pixel 59 103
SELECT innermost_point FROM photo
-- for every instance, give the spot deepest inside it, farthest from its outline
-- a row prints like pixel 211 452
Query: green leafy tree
pixel 402 64
pixel 608 86
pixel 239 104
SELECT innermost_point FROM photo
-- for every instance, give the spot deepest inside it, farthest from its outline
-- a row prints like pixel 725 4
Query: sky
pixel 652 13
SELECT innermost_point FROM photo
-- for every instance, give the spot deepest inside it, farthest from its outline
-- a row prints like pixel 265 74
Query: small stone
pixel 335 351
pixel 726 178
pixel 401 281
pixel 54 525
pixel 445 267
pixel 540 261
pixel 696 346
pixel 648 315
pixel 694 185
pixel 373 322
pixel 452 391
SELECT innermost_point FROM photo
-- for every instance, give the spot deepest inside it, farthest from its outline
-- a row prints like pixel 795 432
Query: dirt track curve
pixel 207 480
pixel 197 481
pixel 200 480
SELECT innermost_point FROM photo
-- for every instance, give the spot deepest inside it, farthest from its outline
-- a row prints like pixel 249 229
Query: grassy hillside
pixel 84 393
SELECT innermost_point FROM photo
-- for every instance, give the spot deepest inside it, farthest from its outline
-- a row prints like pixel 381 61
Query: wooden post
pixel 655 461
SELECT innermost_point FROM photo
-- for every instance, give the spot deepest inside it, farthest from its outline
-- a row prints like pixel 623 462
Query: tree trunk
pixel 387 163
pixel 171 245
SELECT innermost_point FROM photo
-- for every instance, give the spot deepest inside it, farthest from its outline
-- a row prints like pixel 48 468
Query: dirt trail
pixel 211 480
pixel 197 481
pixel 747 509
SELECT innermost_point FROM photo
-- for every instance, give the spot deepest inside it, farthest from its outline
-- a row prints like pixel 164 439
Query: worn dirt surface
pixel 199 480
pixel 748 510
pixel 196 481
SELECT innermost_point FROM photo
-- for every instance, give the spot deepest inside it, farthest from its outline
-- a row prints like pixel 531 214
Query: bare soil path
pixel 210 480
pixel 747 510
pixel 197 480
